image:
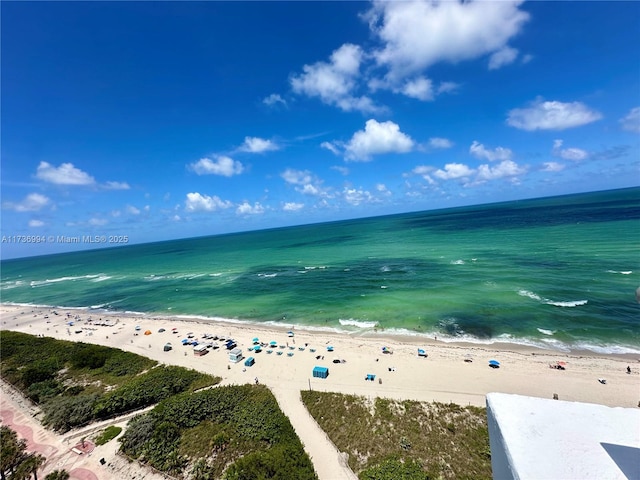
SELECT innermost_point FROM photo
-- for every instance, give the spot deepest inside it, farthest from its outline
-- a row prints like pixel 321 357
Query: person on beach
pixel 628 369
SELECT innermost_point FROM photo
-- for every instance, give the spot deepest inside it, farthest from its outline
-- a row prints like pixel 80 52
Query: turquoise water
pixel 557 272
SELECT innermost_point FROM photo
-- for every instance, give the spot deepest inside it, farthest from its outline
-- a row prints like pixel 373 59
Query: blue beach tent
pixel 249 362
pixel 320 372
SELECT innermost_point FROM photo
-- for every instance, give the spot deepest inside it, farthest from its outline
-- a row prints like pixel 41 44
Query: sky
pixel 133 122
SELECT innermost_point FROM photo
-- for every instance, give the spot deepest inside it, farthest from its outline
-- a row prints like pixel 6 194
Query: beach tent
pixel 422 352
pixel 370 376
pixel 494 364
pixel 200 350
pixel 255 340
pixel 330 348
pixel 290 333
pixel 147 332
pixel 161 330
pixel 273 344
pixel 320 372
pixel 249 362
pixel 167 347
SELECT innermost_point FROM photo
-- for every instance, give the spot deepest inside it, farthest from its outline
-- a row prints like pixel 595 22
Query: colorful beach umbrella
pixel 255 340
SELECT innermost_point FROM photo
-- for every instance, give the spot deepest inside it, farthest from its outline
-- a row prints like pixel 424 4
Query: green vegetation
pixel 76 383
pixel 108 434
pixel 231 432
pixel 392 440
pixel 15 462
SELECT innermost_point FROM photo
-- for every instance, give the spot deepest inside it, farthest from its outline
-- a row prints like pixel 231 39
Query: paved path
pixel 329 463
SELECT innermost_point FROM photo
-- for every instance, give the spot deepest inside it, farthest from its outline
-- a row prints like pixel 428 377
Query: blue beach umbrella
pixel 273 343
pixel 255 340
pixel 494 363
pixel 330 348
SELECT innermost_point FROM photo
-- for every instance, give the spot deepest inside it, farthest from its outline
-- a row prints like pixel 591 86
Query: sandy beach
pixel 457 373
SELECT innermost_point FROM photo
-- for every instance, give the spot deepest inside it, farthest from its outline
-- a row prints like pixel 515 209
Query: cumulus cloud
pixel 116 186
pixel 478 150
pixel 420 88
pixel 335 81
pixel 273 100
pixel 573 154
pixel 502 57
pixel 31 203
pixel 631 121
pixel 292 206
pixel 220 165
pixel 552 167
pixel 541 115
pixel 97 222
pixel 36 223
pixel 258 145
pixel 454 171
pixel 197 202
pixel 131 210
pixel 354 196
pixel 304 181
pixel 377 138
pixel 505 169
pixel 420 33
pixel 438 142
pixel 245 208
pixel 65 174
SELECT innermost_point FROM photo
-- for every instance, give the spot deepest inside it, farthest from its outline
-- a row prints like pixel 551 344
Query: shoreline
pixel 442 376
pixel 391 335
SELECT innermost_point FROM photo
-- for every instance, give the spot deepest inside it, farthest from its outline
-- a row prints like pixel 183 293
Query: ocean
pixel 559 273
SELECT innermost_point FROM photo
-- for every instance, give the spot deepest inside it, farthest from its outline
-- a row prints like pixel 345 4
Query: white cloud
pixel 377 138
pixel 258 145
pixel 292 206
pixel 478 150
pixel 383 190
pixel 274 99
pixel 631 122
pixel 221 165
pixel 97 222
pixel 454 171
pixel 331 147
pixel 176 218
pixel 335 81
pixel 502 57
pixel 305 182
pixel 131 210
pixel 447 87
pixel 116 186
pixel 573 154
pixel 36 223
pixel 437 142
pixel 421 33
pixel 541 115
pixel 504 169
pixel 31 203
pixel 552 167
pixel 297 177
pixel 65 174
pixel 245 208
pixel 204 203
pixel 341 169
pixel 355 196
pixel 420 88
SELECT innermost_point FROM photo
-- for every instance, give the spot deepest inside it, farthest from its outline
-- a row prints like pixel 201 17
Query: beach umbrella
pixel 494 363
pixel 290 333
pixel 255 340
pixel 330 348
pixel 185 341
pixel 147 332
pixel 273 343
pixel 161 330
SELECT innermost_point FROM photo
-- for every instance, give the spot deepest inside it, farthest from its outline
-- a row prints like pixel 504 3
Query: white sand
pixel 443 376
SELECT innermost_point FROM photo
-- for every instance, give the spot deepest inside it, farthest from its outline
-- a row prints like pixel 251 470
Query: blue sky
pixel 175 119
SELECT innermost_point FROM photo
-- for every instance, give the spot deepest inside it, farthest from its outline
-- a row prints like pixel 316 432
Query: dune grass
pixel 389 439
